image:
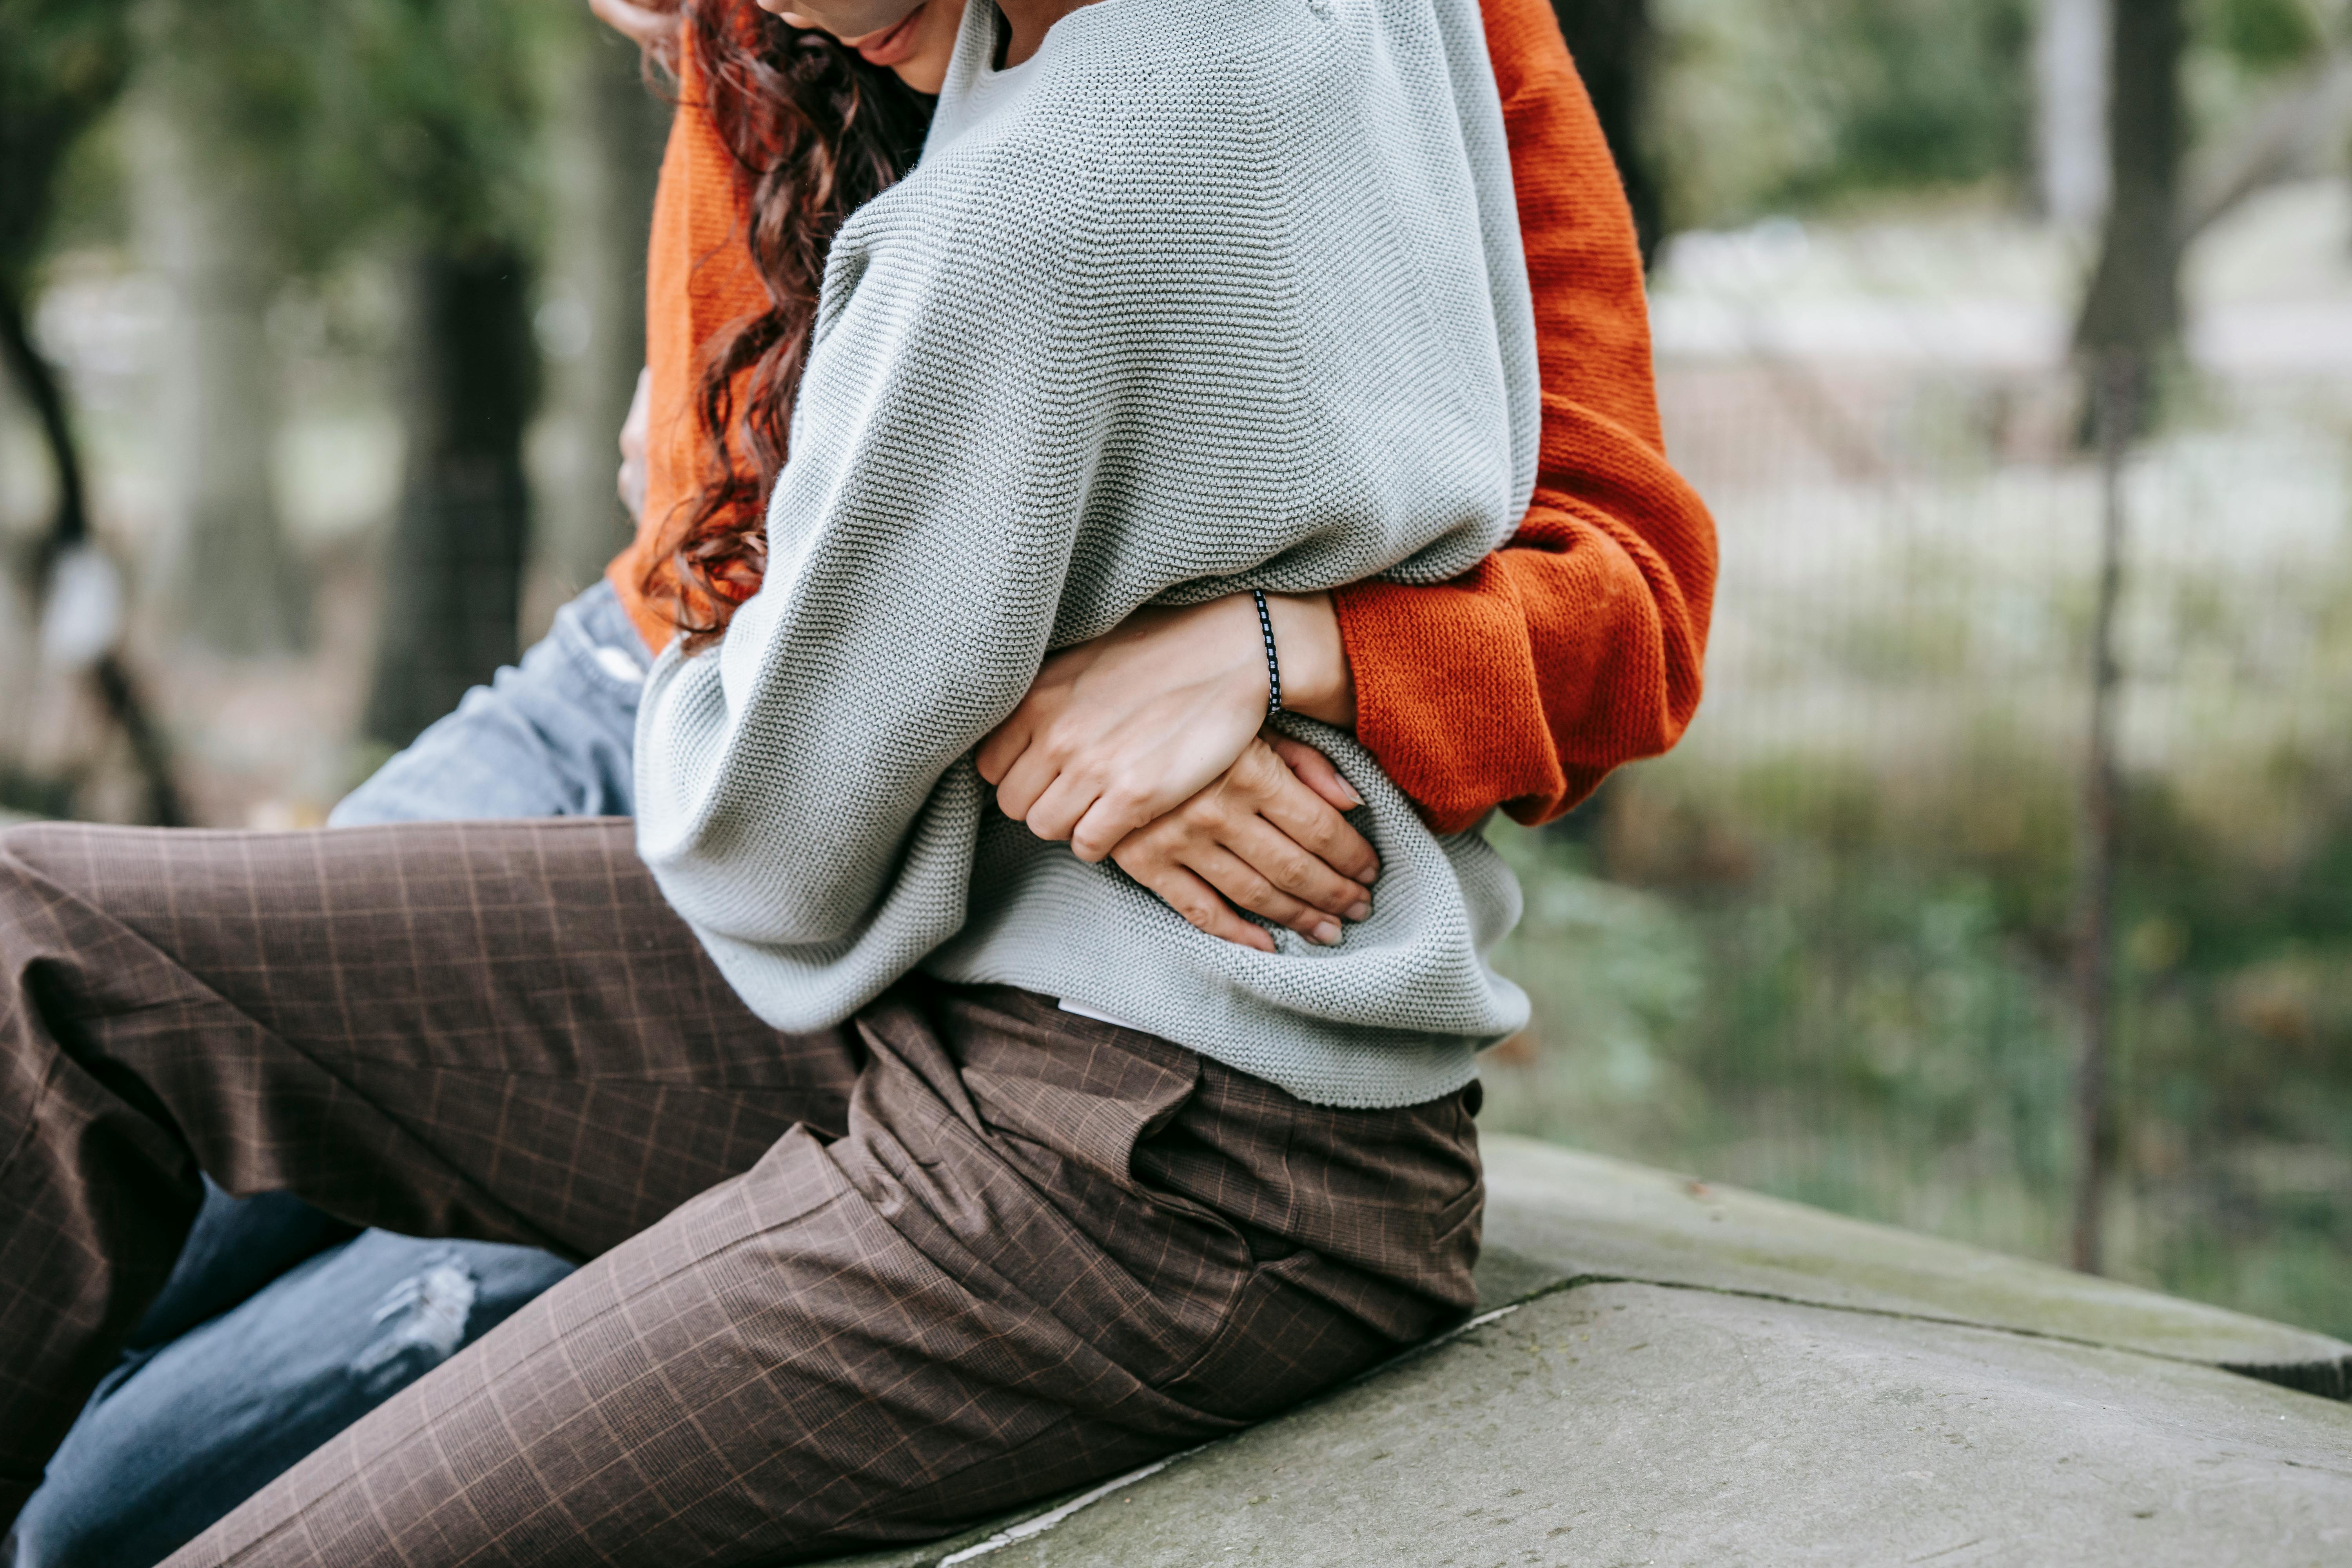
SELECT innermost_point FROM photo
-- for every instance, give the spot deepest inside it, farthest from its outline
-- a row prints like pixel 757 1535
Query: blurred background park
pixel 337 307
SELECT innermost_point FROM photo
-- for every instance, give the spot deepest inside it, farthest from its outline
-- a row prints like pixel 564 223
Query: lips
pixel 892 45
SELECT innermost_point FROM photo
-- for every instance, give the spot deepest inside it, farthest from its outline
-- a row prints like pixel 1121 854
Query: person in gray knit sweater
pixel 1182 298
pixel 1010 1176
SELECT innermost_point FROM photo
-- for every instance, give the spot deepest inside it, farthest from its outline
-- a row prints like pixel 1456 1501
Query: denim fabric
pixel 551 736
pixel 237 1246
pixel 180 1434
pixel 262 1345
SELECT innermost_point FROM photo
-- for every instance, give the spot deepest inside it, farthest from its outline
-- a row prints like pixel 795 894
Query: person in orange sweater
pixel 1571 651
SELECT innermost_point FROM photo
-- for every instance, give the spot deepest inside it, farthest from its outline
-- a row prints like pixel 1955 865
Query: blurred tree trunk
pixel 453 569
pixel 70 534
pixel 2133 302
pixel 230 579
pixel 2131 317
pixel 61 67
pixel 607 151
pixel 1613 44
pixel 70 512
pixel 2070 62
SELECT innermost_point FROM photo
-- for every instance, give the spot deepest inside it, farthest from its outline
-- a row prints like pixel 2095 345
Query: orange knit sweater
pixel 1575 648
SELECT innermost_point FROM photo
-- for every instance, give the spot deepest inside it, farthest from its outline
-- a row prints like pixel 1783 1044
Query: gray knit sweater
pixel 1210 294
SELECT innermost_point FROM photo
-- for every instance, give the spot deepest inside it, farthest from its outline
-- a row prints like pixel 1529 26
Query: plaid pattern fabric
pixel 848 1288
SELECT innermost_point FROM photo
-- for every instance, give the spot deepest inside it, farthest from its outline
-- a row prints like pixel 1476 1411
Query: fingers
pixel 1193 898
pixel 1036 784
pixel 1109 816
pixel 1243 884
pixel 1311 825
pixel 1219 839
pixel 1058 802
pixel 1053 814
pixel 1003 748
pixel 1259 838
pixel 1277 794
pixel 1315 771
pixel 1174 854
pixel 1274 861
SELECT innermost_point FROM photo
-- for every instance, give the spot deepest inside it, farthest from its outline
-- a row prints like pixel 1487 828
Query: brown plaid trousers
pixel 847 1288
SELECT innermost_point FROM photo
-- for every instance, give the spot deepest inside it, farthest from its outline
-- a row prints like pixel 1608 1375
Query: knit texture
pixel 1210 299
pixel 1574 648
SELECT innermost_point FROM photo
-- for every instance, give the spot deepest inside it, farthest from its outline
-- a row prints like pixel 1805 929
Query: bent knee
pixel 35 852
pixel 47 857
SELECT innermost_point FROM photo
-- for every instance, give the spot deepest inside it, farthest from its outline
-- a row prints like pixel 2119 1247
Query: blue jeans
pixel 280 1327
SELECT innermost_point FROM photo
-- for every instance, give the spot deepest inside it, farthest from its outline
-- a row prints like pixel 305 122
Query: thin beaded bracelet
pixel 1273 665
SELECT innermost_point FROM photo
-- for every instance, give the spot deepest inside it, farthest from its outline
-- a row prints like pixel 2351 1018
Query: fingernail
pixel 1354 800
pixel 1359 910
pixel 1327 933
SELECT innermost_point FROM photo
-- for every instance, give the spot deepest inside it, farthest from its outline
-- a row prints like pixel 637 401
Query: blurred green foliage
pixel 367 120
pixel 1852 990
pixel 62 64
pixel 373 118
pixel 1916 92
pixel 1766 105
pixel 2262 34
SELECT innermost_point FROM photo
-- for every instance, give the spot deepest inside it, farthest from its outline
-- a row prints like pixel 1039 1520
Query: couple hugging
pixel 973 938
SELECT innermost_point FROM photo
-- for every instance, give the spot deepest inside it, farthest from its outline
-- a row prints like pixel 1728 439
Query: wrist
pixel 1315 678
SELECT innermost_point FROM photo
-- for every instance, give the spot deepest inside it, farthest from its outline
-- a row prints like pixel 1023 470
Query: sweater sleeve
pixel 1579 646
pixel 915 562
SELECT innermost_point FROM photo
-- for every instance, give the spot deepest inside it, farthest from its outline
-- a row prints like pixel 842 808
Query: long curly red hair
pixel 822 134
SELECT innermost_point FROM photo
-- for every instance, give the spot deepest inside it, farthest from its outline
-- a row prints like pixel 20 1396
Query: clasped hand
pixel 1145 746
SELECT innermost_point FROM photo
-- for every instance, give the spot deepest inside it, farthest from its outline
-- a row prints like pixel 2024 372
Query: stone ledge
pixel 1555 1215
pixel 1675 1373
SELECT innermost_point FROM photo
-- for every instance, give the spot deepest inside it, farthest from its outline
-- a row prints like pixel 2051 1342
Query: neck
pixel 1025 22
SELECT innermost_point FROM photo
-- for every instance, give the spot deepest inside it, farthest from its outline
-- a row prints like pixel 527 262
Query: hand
pixel 641 24
pixel 1121 731
pixel 1268 836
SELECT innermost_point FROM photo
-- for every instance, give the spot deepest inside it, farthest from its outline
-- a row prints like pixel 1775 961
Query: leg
pixel 182 1433
pixel 986 1288
pixel 235 1247
pixel 975 1298
pixel 550 737
pixel 497 1032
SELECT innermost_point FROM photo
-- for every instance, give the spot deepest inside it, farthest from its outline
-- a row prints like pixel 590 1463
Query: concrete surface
pixel 1554 1214
pixel 1681 1376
